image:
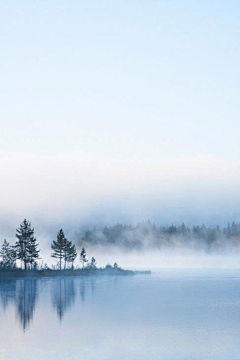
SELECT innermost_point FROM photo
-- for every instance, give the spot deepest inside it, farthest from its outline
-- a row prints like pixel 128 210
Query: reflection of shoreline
pixel 23 293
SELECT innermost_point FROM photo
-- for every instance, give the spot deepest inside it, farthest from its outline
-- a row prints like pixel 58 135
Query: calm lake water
pixel 173 315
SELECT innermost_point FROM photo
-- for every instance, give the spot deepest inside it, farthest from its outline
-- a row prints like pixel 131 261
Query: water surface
pixel 173 315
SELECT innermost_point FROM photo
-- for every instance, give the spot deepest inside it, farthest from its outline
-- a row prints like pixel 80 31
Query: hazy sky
pixel 119 110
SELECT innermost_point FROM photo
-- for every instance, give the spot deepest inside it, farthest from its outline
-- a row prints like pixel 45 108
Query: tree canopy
pixel 26 246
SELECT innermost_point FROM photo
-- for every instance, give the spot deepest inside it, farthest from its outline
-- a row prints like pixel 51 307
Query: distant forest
pixel 25 253
pixel 147 235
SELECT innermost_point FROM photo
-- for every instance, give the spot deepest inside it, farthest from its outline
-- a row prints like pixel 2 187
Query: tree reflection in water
pixel 26 296
pixel 23 293
pixel 63 295
pixel 7 292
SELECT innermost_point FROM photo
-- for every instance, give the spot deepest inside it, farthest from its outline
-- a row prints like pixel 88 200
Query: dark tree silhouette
pixel 7 255
pixel 26 246
pixel 64 250
pixel 59 247
pixel 83 257
pixel 93 263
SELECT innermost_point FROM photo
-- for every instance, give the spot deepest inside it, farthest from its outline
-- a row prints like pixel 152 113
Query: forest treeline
pixel 147 235
pixel 25 253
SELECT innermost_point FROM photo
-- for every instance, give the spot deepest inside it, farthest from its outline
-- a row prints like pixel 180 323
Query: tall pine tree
pixel 26 246
pixel 59 248
pixel 64 250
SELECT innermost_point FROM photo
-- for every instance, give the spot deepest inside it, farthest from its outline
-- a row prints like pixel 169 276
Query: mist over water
pixel 157 260
pixel 77 192
pixel 146 246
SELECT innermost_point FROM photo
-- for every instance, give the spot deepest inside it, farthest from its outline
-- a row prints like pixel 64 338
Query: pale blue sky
pixel 110 83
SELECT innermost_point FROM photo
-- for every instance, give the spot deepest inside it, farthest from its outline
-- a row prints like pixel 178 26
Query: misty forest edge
pixel 24 255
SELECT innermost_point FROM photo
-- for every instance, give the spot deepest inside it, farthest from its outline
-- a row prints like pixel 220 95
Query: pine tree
pixel 83 257
pixel 63 249
pixel 34 252
pixel 26 246
pixel 93 263
pixel 58 247
pixel 7 255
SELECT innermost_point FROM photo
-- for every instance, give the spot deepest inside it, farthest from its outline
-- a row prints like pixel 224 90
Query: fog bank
pixel 78 190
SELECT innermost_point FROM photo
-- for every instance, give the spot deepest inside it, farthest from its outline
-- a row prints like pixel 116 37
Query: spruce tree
pixel 26 246
pixel 83 257
pixel 7 255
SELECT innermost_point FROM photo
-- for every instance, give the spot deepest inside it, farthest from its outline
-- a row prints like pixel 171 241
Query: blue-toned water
pixel 173 315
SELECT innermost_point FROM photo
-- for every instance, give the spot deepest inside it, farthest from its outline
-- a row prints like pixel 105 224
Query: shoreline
pixel 19 273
